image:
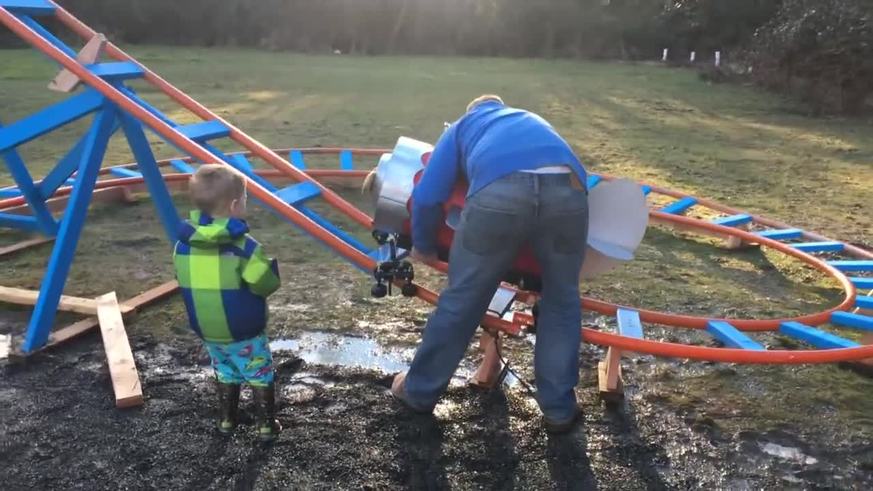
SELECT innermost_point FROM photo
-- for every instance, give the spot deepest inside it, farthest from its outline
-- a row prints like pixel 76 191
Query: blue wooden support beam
pixel 65 168
pixel 296 157
pixel 346 160
pixel 70 229
pixel 734 220
pixel 862 283
pixel 21 222
pixel 815 337
pixel 49 119
pixel 12 192
pixel 182 166
pixel 41 214
pixel 28 7
pixel 852 265
pixel 207 130
pixel 679 207
pixel 647 189
pixel 117 70
pixel 124 172
pixel 829 246
pixel 299 193
pixel 132 95
pixel 731 336
pixel 241 161
pixel 849 319
pixel 151 172
pixel 629 323
pixel 864 302
pixel 48 36
pixel 782 234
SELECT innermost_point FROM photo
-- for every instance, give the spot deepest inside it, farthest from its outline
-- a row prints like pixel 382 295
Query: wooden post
pixel 718 58
pixel 5 346
pixel 67 81
pixel 664 54
pixel 488 373
pixel 609 375
pixel 119 357
pixel 693 56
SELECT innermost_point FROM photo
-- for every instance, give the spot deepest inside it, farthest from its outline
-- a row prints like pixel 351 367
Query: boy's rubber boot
pixel 228 404
pixel 265 402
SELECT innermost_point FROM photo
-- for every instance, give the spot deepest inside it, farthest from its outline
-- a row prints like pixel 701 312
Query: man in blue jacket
pixel 525 186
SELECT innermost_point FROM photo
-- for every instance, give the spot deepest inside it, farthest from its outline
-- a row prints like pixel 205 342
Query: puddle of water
pixel 329 349
pixel 355 352
pixel 787 453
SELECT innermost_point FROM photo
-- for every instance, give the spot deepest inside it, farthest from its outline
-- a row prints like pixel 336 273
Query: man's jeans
pixel 546 211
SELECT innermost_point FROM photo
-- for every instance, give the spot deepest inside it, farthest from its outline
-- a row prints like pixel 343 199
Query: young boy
pixel 225 279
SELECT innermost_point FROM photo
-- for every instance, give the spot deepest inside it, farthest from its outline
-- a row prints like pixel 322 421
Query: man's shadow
pixel 567 456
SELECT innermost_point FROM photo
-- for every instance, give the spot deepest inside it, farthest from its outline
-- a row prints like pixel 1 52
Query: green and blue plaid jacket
pixel 225 278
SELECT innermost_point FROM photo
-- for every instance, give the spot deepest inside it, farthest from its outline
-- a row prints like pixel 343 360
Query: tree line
pixel 817 49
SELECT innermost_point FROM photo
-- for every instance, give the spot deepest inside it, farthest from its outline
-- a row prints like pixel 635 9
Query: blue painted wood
pixel 829 246
pixel 28 7
pixel 782 234
pixel 342 234
pixel 647 189
pixel 68 235
pixel 48 36
pixel 30 191
pixel 22 222
pixel 182 166
pixel 116 70
pixel 816 337
pixel 242 162
pixel 679 207
pixel 864 302
pixel 629 323
pixel 151 172
pixel 124 172
pixel 592 181
pixel 296 194
pixel 733 220
pixel 132 95
pixel 207 130
pixel 849 319
pixel 9 193
pixel 731 336
pixel 346 160
pixel 50 118
pixel 862 283
pixel 296 157
pixel 852 265
pixel 65 167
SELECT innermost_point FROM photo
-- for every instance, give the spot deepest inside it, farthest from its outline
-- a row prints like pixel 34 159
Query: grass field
pixel 744 147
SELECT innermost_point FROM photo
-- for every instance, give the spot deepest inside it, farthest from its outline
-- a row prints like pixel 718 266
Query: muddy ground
pixel 682 425
pixel 60 430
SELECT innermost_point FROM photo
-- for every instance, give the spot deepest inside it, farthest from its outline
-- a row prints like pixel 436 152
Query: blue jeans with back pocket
pixel 550 214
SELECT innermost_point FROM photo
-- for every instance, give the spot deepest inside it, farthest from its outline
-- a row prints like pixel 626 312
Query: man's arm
pixel 433 190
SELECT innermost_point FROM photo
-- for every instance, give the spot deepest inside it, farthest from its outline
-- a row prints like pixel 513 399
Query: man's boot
pixel 265 401
pixel 228 404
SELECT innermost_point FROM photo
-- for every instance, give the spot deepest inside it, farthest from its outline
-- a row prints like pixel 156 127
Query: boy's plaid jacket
pixel 224 277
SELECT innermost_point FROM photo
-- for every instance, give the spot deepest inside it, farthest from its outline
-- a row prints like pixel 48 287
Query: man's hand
pixel 429 259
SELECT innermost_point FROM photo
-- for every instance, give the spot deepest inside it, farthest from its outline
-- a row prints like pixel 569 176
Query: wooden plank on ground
pixel 78 305
pixel 5 346
pixel 27 244
pixel 122 368
pixel 130 305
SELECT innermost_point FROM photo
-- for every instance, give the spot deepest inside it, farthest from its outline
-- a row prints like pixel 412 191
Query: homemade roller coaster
pixel 108 96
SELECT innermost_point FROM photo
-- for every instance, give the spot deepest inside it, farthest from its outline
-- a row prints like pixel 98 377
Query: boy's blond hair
pixel 214 187
pixel 482 98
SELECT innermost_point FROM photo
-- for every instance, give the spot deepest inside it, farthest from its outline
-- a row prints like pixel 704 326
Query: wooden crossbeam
pixel 78 305
pixel 26 244
pixel 119 356
pixel 129 306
